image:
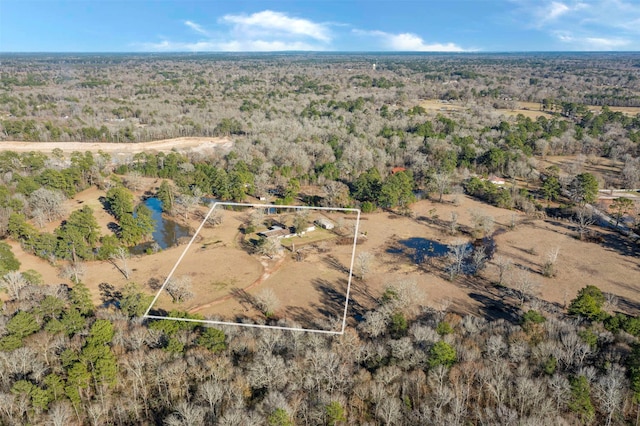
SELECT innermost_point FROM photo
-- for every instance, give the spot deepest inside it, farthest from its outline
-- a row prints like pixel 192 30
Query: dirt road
pixel 117 148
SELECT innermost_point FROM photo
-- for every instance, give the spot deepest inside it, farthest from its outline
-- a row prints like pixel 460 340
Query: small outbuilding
pixel 496 180
pixel 324 223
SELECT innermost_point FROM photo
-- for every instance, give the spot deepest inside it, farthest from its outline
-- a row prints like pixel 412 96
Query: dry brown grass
pixel 312 291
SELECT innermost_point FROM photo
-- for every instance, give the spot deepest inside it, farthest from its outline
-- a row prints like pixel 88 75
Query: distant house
pixel 276 232
pixel 496 180
pixel 324 223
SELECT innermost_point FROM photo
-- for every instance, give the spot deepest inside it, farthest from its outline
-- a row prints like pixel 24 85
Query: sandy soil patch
pixel 116 148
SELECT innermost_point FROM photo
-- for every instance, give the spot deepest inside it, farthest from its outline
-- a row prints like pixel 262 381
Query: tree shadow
pixel 303 316
pixel 333 262
pixel 109 295
pixel 627 305
pixel 494 308
pixel 621 244
pixel 246 300
pixel 332 298
pixel 113 227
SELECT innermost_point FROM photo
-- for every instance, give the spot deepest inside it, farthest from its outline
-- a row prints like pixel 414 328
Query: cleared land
pixel 528 109
pixel 116 148
pixel 225 278
pixel 306 287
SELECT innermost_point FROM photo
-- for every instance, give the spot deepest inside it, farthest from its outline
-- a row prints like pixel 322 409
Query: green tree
pixel 78 235
pixel 397 190
pixel 367 186
pixel 22 324
pixel 620 206
pixel 213 339
pixel 442 354
pixel 120 201
pixel 135 229
pixel 279 417
pixel 551 188
pixel 588 303
pixel 398 325
pixel 101 332
pixel 166 195
pixel 144 220
pixel 580 402
pixel 81 299
pixel 8 261
pixel 134 302
pixel 335 413
pixel 584 188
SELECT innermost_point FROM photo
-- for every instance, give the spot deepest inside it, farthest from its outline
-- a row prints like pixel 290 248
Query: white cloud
pixel 601 43
pixel 591 43
pixel 556 9
pixel 227 46
pixel 280 23
pixel 409 42
pixel 265 31
pixel 584 24
pixel 196 27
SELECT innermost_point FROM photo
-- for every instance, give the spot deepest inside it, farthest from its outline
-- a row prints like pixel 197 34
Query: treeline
pixel 172 97
pixel 34 191
pixel 105 366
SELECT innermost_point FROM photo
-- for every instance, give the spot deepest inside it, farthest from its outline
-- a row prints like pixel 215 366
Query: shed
pixel 324 223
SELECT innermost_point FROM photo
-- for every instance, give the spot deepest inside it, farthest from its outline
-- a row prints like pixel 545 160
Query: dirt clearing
pixel 180 144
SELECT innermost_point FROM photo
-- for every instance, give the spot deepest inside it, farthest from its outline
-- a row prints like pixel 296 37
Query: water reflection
pixel 166 233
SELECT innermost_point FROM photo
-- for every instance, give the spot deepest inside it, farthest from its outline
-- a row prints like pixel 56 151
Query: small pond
pixel 420 249
pixel 166 233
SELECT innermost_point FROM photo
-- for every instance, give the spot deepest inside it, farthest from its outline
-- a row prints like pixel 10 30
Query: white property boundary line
pixel 268 206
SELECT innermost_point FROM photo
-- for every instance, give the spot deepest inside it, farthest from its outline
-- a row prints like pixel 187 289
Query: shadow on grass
pixel 494 308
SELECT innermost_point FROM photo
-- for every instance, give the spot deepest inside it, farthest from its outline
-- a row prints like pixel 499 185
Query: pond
pixel 420 249
pixel 166 233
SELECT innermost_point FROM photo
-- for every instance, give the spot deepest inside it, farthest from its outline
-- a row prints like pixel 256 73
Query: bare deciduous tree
pixel 270 247
pixel 479 259
pixel 482 224
pixel 47 204
pixel 583 219
pixel 215 218
pixel 504 266
pixel 440 182
pixel 549 265
pixel 121 254
pixel 60 413
pixel 609 391
pixel 453 225
pixel 186 414
pixel 73 271
pixel 458 252
pixel 179 288
pixel 267 302
pixel 525 285
pixel 12 282
pixel 363 263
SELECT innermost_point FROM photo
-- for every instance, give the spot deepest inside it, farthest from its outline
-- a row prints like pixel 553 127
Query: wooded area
pixel 319 130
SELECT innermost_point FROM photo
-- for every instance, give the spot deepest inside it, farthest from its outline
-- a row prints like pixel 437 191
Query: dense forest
pixel 325 130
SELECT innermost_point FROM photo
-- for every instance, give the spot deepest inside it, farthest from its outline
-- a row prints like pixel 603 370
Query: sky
pixel 319 25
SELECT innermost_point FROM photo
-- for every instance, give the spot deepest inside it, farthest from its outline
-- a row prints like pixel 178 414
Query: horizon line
pixel 324 52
